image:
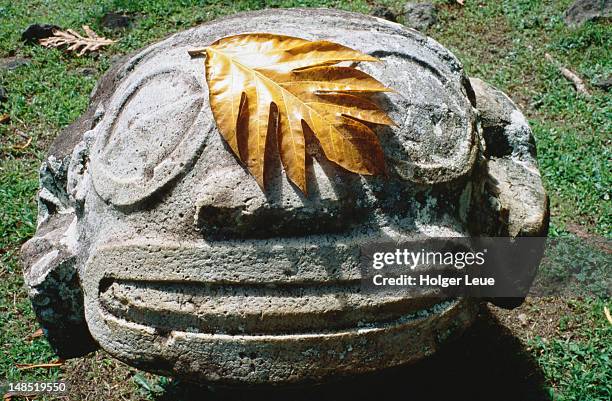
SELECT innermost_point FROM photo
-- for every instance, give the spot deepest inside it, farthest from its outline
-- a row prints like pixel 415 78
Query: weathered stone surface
pixel 50 258
pixel 514 200
pixel 514 178
pixel 582 11
pixel 189 269
pixel 420 16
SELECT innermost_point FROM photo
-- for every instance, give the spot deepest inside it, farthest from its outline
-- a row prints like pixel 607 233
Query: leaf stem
pixel 197 53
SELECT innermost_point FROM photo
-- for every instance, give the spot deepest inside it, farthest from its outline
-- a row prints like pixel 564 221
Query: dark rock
pixel 420 16
pixel 12 63
pixel 116 21
pixel 384 12
pixel 38 31
pixel 604 84
pixel 588 10
pixel 87 71
pixel 3 95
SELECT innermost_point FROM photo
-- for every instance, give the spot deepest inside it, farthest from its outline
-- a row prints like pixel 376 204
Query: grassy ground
pixel 547 348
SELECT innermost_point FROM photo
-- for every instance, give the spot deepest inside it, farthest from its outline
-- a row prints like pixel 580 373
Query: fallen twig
pixel 36 334
pixel 75 41
pixel 26 396
pixel 25 145
pixel 26 366
pixel 569 75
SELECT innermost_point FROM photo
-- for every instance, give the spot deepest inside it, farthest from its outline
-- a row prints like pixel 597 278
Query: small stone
pixel 384 12
pixel 87 71
pixel 604 84
pixel 38 31
pixel 588 10
pixel 116 21
pixel 3 95
pixel 12 63
pixel 419 16
pixel 523 319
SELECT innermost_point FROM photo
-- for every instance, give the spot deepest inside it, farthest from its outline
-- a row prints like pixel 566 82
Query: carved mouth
pixel 278 304
pixel 254 309
pixel 256 287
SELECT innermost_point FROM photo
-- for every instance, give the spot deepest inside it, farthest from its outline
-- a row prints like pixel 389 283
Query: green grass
pixel 579 362
pixel 502 42
pixel 17 222
pixel 572 267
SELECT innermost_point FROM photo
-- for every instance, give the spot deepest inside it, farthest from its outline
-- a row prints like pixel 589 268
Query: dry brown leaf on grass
pixel 262 83
pixel 75 41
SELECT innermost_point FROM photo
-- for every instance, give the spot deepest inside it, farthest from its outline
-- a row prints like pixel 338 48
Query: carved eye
pixel 154 129
pixel 435 140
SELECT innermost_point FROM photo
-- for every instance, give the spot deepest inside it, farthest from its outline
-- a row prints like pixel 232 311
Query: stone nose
pixel 231 205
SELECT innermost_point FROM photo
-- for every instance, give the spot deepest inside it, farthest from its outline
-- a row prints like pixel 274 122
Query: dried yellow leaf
pixel 263 83
pixel 75 42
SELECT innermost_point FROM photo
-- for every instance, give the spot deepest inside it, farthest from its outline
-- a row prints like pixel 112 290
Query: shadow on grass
pixel 486 363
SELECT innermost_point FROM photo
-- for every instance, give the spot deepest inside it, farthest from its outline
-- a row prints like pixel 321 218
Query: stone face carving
pixel 156 245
